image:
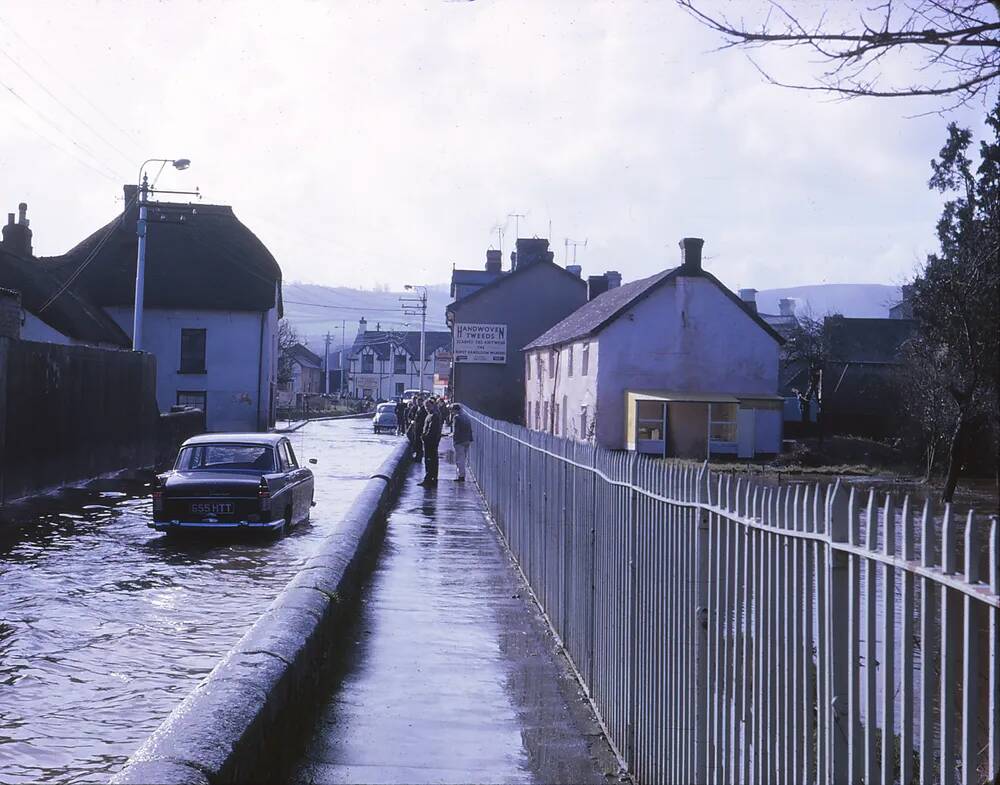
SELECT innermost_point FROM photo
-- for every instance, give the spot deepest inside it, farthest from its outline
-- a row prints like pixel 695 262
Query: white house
pixel 384 364
pixel 212 304
pixel 674 364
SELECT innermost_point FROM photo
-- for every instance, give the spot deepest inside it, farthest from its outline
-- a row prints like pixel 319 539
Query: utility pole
pixel 343 353
pixel 140 268
pixel 326 365
pixel 413 304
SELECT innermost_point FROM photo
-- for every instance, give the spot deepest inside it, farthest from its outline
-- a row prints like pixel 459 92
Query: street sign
pixel 480 343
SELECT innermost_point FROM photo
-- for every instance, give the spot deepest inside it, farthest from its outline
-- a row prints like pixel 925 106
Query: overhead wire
pixel 79 93
pixel 69 110
pixel 59 129
pixel 91 256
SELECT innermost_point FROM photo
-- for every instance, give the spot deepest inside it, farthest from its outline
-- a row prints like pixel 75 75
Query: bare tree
pixel 287 338
pixel 957 42
pixel 806 348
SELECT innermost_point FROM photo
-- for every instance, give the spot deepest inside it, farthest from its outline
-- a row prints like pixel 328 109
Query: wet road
pixel 105 624
pixel 451 675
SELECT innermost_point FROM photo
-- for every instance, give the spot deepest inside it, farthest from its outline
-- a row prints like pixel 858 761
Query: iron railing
pixel 733 631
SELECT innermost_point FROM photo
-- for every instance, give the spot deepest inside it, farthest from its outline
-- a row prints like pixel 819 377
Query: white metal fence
pixel 731 631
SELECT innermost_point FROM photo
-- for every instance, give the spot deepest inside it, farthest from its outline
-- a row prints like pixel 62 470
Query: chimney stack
pixel 574 269
pixel 362 326
pixel 494 261
pixel 614 279
pixel 749 297
pixel 786 306
pixel 691 255
pixel 596 286
pixel 10 313
pixel 17 236
pixel 530 251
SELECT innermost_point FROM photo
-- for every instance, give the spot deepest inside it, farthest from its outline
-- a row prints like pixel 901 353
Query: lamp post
pixel 140 264
pixel 421 303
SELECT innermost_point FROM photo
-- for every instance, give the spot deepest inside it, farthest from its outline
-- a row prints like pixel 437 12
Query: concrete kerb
pixel 226 729
pixel 300 424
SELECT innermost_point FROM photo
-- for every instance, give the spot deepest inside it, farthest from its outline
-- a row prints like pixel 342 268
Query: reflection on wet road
pixel 105 625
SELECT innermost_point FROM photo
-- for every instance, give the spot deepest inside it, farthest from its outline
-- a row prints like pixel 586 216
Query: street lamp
pixel 420 303
pixel 140 230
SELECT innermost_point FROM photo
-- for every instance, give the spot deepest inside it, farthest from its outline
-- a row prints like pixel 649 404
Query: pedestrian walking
pixel 431 439
pixel 462 430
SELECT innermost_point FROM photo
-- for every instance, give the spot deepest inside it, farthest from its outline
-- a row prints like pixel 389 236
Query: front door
pixel 745 435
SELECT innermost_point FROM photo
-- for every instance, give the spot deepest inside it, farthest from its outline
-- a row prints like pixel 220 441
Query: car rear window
pixel 226 457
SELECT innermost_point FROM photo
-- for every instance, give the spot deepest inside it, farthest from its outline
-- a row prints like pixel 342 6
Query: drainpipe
pixel 260 368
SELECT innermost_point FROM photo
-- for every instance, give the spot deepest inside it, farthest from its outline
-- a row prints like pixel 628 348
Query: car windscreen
pixel 386 407
pixel 226 457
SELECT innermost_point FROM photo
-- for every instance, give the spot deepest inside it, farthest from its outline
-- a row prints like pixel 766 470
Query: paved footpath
pixel 452 675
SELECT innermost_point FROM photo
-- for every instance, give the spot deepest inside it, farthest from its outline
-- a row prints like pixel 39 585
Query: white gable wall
pixel 687 336
pixel 240 361
pixel 571 393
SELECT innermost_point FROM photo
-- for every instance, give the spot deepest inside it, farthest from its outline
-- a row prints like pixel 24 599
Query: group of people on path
pixel 423 422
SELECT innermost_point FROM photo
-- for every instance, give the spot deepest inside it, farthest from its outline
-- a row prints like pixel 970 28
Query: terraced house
pixel 674 364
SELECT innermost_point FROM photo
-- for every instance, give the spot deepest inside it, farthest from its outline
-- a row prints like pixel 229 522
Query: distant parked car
pixel 249 481
pixel 409 395
pixel 385 418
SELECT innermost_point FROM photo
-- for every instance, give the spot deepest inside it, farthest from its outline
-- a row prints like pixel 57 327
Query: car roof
pixel 235 438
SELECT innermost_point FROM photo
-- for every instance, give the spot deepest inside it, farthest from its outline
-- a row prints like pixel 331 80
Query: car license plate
pixel 213 508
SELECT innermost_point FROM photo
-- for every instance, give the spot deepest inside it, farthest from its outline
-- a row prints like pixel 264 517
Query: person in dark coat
pixel 400 417
pixel 416 432
pixel 431 439
pixel 462 436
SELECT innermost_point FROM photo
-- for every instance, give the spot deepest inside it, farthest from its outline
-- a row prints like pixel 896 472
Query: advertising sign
pixel 481 343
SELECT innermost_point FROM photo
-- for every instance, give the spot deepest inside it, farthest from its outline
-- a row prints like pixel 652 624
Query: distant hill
pixel 860 300
pixel 314 309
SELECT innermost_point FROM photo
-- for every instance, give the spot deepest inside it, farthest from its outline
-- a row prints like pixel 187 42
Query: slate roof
pixel 473 278
pixel 197 257
pixel 384 343
pixel 304 356
pixel 71 314
pixel 605 308
pixel 867 340
pixel 510 276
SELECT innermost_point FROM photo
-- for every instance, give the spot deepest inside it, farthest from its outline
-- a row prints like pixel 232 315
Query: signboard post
pixel 481 343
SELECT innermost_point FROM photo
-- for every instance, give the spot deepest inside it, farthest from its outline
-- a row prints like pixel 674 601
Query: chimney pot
pixel 22 213
pixel 10 219
pixel 691 253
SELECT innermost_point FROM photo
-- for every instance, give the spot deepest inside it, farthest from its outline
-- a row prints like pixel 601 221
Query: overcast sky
pixel 381 143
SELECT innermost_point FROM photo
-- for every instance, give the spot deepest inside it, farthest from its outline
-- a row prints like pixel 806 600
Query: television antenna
pixel 576 244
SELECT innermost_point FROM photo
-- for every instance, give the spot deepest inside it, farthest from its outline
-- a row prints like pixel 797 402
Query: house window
pixel 541 369
pixel 552 364
pixel 545 416
pixel 722 422
pixel 585 360
pixel 583 422
pixel 527 370
pixel 399 363
pixel 649 421
pixel 367 363
pixel 195 398
pixel 555 418
pixel 569 361
pixel 400 387
pixel 538 416
pixel 192 350
pixel 564 422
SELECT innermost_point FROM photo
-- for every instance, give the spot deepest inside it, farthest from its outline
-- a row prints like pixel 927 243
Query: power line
pixel 79 93
pixel 73 114
pixel 69 136
pixel 364 308
pixel 63 150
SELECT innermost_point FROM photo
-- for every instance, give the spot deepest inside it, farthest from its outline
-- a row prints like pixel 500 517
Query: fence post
pixel 701 630
pixel 837 611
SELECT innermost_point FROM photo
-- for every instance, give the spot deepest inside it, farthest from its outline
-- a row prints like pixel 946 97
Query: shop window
pixel 649 421
pixel 722 422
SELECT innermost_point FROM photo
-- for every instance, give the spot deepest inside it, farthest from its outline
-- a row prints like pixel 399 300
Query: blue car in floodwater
pixel 233 481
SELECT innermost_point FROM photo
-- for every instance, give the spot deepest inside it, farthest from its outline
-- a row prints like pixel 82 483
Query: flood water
pixel 106 624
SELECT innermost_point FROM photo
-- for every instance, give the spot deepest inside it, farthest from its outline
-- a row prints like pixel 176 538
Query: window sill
pixel 193 373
